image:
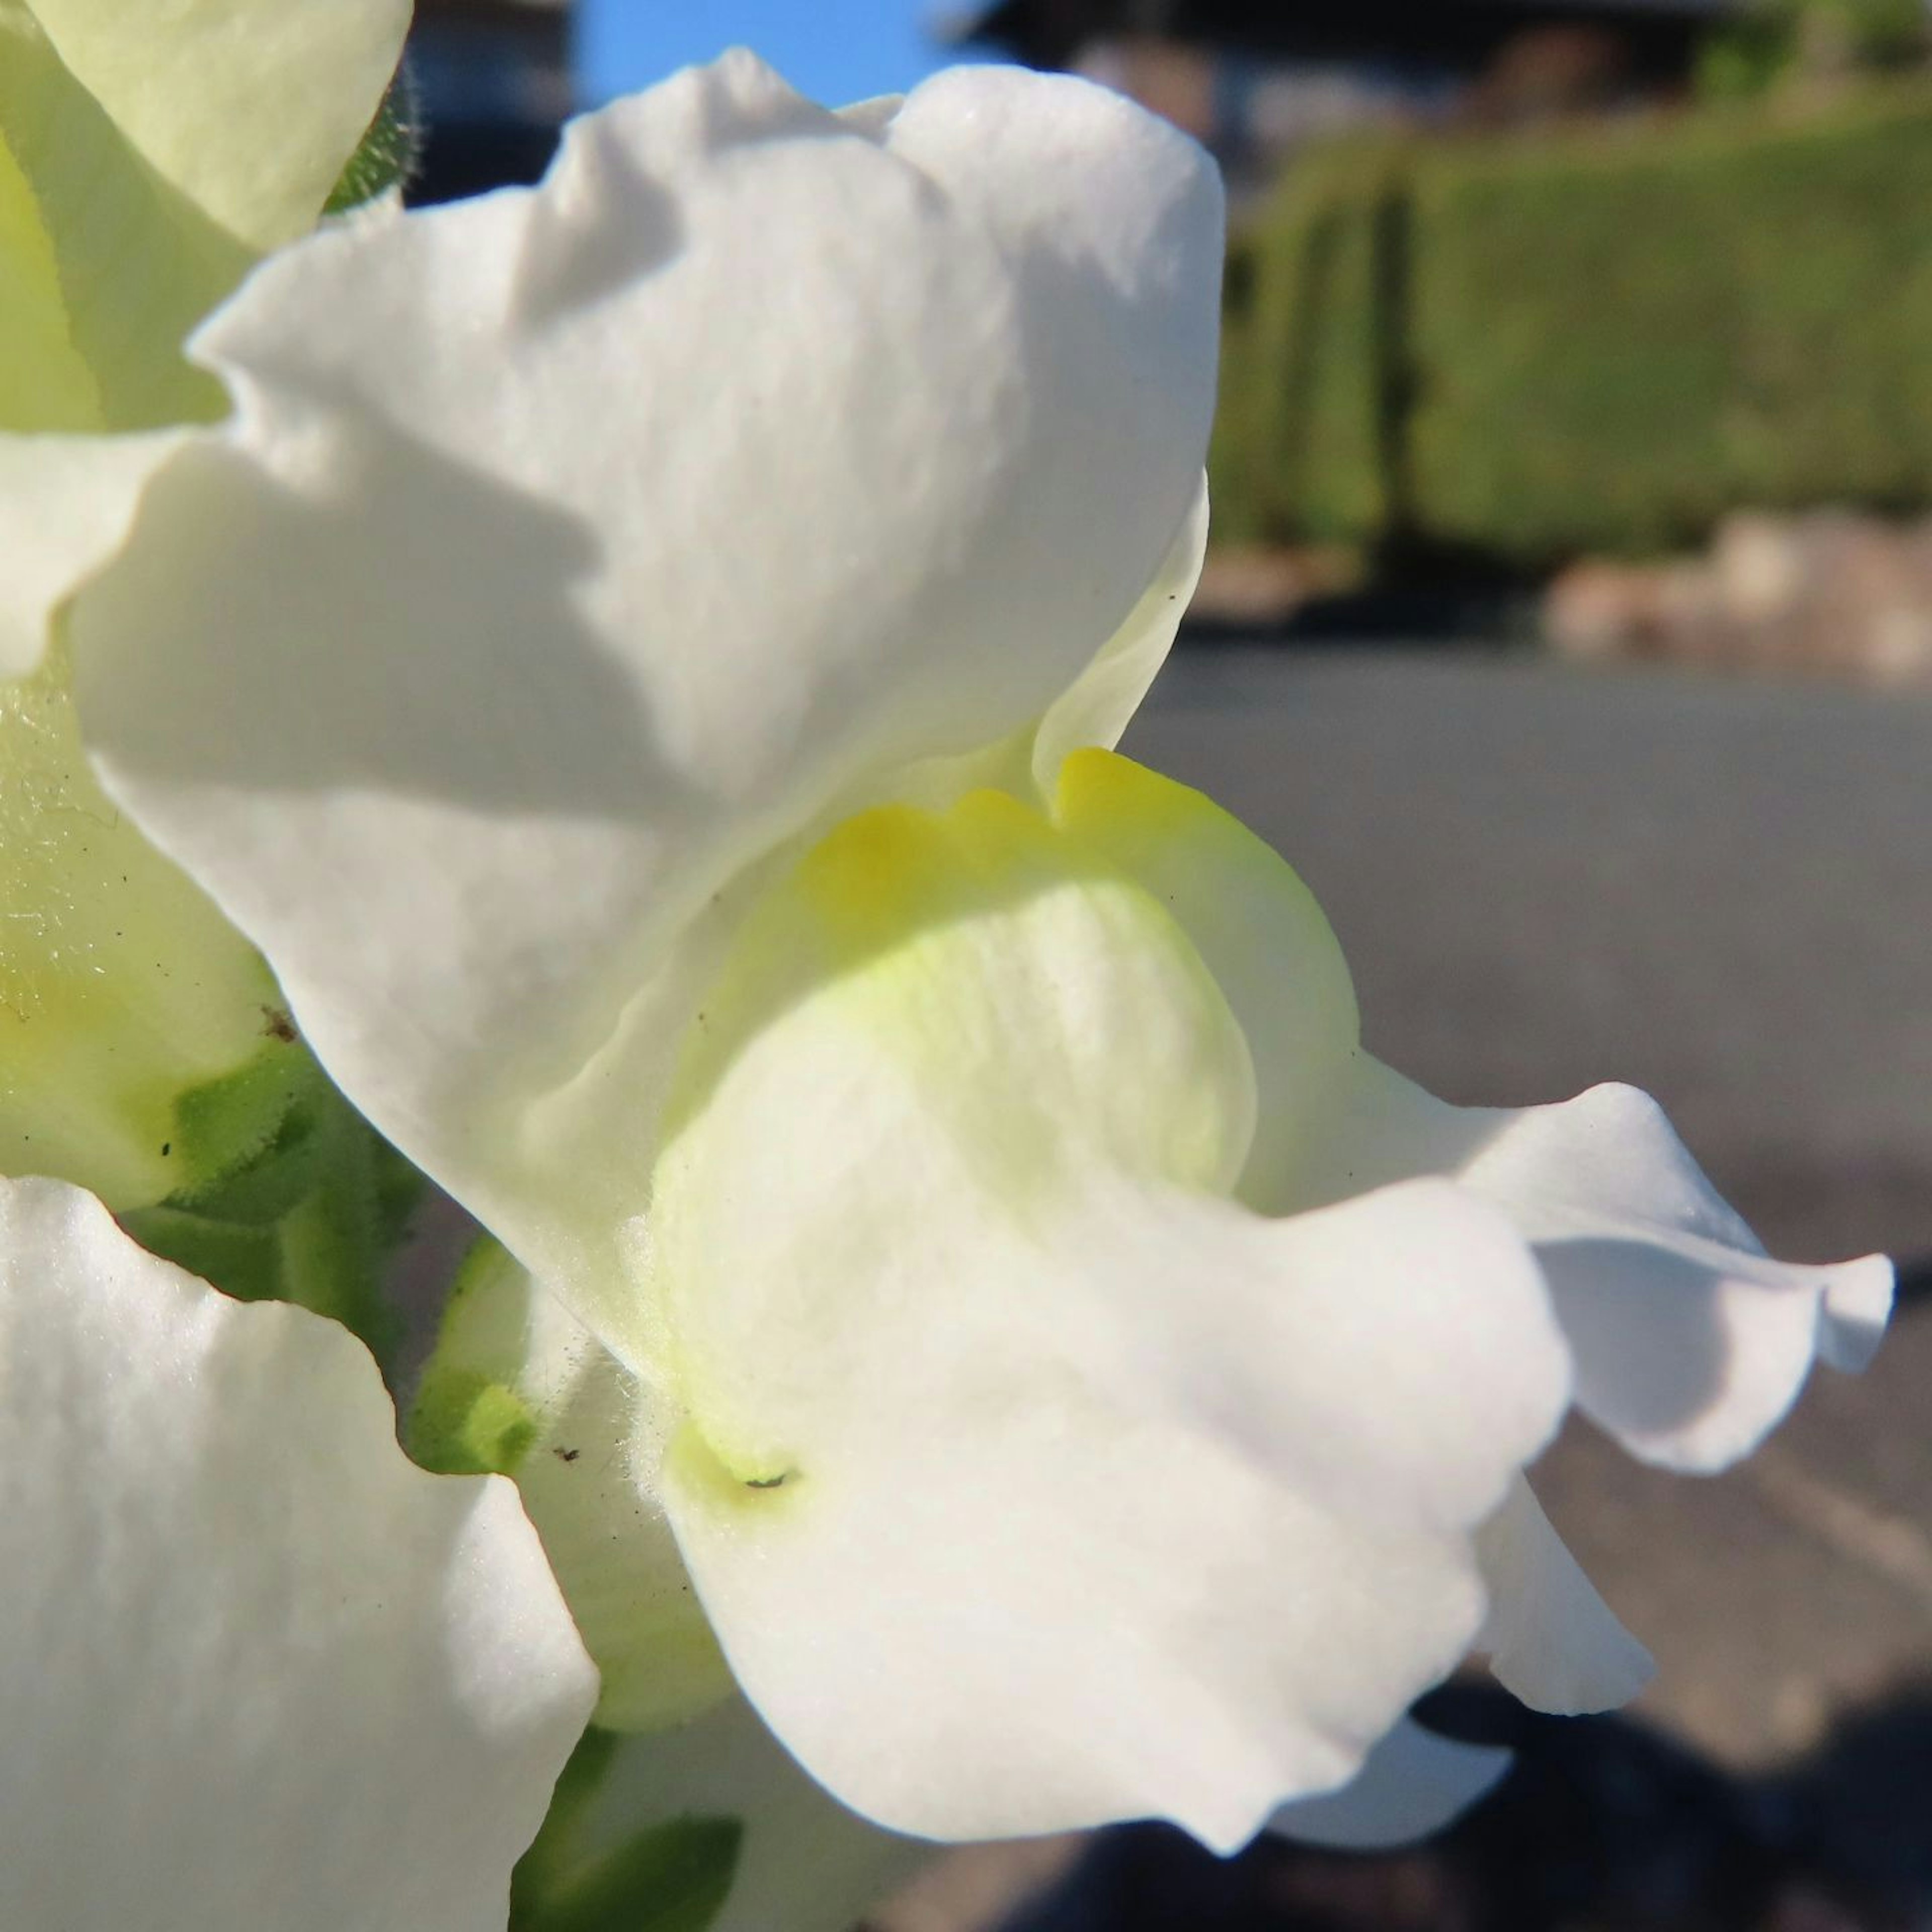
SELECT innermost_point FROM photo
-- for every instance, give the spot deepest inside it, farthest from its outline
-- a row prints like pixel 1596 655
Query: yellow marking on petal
pixel 946 1020
pixel 693 1462
pixel 1124 811
pixel 938 932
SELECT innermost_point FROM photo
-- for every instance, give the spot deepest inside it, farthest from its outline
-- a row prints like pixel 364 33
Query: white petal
pixel 1690 1343
pixel 1413 1783
pixel 1155 1551
pixel 1553 1640
pixel 65 504
pixel 549 576
pixel 1027 1485
pixel 1096 709
pixel 805 1863
pixel 1264 939
pixel 257 1670
pixel 251 108
pixel 109 267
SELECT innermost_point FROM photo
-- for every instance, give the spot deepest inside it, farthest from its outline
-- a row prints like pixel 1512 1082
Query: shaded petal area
pixel 1413 1783
pixel 1552 1640
pixel 249 108
pixel 66 502
pixel 272 1675
pixel 528 668
pixel 1691 1342
pixel 110 262
pixel 1262 935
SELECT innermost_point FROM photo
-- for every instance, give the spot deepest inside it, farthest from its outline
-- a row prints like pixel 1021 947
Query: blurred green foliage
pixel 1529 346
pixel 1306 377
pixel 1776 41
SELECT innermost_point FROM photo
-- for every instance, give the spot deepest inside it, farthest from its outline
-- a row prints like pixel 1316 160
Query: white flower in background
pixel 149 153
pixel 637 663
pixel 256 1670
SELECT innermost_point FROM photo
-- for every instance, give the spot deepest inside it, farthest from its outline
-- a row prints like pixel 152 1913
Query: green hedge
pixel 1527 348
pixel 1300 438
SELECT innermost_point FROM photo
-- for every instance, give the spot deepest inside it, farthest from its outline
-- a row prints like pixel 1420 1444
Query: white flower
pixel 622 666
pixel 256 1671
pixel 149 153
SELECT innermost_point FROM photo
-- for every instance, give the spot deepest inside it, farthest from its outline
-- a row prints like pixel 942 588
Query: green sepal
pixel 389 153
pixel 247 1146
pixel 287 1195
pixel 468 1418
pixel 672 1877
pixel 465 1424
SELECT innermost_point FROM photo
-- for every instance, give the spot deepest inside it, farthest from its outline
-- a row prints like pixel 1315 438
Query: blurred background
pixel 1569 626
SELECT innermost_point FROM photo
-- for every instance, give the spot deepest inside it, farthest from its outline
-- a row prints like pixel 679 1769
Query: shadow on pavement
pixel 1603 1824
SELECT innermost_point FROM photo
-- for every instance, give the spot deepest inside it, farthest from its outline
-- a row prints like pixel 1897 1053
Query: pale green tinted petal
pixel 123 264
pixel 257 1670
pixel 45 382
pixel 1412 1783
pixel 518 1386
pixel 65 504
pixel 805 1864
pixel 1552 1640
pixel 1690 1342
pixel 120 986
pixel 543 582
pixel 249 108
pixel 1028 1485
pixel 1095 709
pixel 1264 939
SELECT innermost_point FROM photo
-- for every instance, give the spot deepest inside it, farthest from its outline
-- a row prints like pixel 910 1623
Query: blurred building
pixel 1255 79
pixel 493 82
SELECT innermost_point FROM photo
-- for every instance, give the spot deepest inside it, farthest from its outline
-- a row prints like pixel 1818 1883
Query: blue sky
pixel 832 50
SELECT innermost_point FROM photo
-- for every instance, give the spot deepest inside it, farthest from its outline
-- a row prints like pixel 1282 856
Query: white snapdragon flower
pixel 256 1670
pixel 640 664
pixel 150 151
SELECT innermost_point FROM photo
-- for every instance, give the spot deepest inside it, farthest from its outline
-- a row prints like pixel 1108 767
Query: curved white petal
pixel 1151 1551
pixel 1264 939
pixel 1027 1484
pixel 1413 1783
pixel 108 265
pixel 805 1863
pixel 1096 708
pixel 1552 1641
pixel 257 1669
pixel 65 504
pixel 251 108
pixel 548 577
pixel 1690 1342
